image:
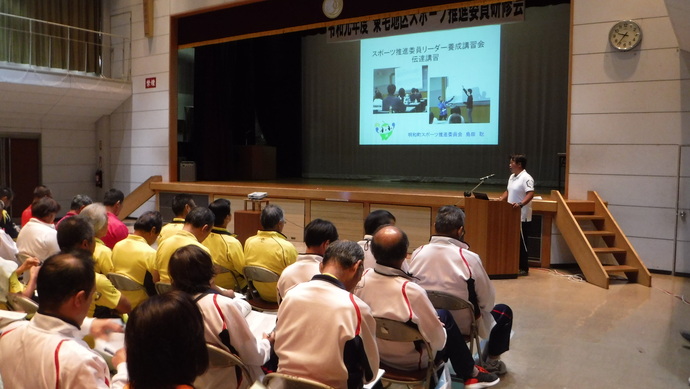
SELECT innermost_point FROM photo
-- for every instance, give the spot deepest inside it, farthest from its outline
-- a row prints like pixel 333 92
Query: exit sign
pixel 150 82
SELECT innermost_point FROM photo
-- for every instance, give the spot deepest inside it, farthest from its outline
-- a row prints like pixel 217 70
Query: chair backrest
pixel 162 287
pixel 22 256
pixel 442 300
pixel 397 331
pixel 19 303
pixel 217 357
pixel 122 282
pixel 286 381
pixel 256 273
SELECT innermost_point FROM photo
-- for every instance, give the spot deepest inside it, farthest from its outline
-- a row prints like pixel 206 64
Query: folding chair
pixel 260 274
pixel 285 381
pixel 217 357
pixel 162 287
pixel 124 283
pixel 397 331
pixel 19 303
pixel 222 270
pixel 442 300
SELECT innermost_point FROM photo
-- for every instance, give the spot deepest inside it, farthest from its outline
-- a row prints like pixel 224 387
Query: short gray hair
pixel 96 215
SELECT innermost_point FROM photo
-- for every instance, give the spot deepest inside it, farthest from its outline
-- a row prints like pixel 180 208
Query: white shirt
pixel 28 353
pixel 38 239
pixel 445 264
pixel 306 267
pixel 518 186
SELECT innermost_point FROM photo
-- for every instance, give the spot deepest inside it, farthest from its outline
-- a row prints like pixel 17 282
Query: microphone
pixel 486 177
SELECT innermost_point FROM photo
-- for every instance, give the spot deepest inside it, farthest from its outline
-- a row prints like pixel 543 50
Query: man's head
pixel 66 285
pixel 450 221
pixel 376 219
pixel 272 218
pixel 6 195
pixel 343 259
pixel 222 212
pixel 97 216
pixel 318 234
pixel 75 233
pixel 191 269
pixel 148 226
pixel 182 204
pixel 45 209
pixel 79 202
pixel 199 221
pixel 113 199
pixel 391 89
pixel 42 191
pixel 389 246
pixel 519 160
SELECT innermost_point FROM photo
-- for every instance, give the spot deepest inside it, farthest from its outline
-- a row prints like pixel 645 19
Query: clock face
pixel 332 8
pixel 625 35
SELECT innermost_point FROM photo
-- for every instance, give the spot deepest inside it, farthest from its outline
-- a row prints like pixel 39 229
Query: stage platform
pixel 347 203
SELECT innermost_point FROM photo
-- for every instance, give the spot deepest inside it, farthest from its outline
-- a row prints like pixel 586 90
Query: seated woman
pixel 191 271
pixel 165 343
pixel 9 281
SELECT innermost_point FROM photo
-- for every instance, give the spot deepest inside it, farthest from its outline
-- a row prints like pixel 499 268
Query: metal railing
pixel 58 47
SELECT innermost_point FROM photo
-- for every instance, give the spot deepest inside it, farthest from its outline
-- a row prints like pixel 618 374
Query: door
pixel 682 239
pixel 20 163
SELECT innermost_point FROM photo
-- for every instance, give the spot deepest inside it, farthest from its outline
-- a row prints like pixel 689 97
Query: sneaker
pixel 495 366
pixel 483 380
pixel 523 273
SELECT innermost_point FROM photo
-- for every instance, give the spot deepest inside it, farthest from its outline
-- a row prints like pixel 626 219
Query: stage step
pixel 588 250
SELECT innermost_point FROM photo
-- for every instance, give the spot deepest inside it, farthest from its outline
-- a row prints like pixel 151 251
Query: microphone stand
pixel 469 194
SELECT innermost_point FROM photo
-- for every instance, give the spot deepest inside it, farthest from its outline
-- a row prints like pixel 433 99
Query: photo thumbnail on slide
pixel 431 88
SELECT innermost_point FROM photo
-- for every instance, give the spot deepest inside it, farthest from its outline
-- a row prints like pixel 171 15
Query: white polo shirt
pixel 518 187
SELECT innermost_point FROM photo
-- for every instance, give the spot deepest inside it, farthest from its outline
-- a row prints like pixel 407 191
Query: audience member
pixel 38 237
pixel 182 204
pixel 40 192
pixel 191 270
pixel 76 233
pixel 117 230
pixel 135 258
pixel 9 280
pixel 226 250
pixel 445 264
pixel 392 103
pixel 97 216
pixel 318 234
pixel 269 249
pixel 48 351
pixel 6 223
pixel 8 247
pixel 374 220
pixel 78 203
pixel 197 227
pixel 393 294
pixel 343 355
pixel 170 355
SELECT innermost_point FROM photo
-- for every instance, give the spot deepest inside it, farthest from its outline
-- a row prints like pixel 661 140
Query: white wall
pixel 629 114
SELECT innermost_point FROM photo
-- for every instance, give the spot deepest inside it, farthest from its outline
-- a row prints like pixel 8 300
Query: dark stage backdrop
pixel 302 93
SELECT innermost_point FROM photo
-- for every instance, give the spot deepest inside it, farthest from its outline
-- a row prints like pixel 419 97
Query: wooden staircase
pixel 597 242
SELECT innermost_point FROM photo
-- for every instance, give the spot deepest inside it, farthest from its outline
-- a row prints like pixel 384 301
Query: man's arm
pixel 503 197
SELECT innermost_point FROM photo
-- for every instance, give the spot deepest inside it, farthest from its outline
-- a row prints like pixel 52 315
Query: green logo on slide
pixel 385 130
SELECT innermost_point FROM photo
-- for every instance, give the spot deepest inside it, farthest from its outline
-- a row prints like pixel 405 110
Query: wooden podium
pixel 248 222
pixel 493 231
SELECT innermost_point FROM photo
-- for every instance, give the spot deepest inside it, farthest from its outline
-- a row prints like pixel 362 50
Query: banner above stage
pixel 478 15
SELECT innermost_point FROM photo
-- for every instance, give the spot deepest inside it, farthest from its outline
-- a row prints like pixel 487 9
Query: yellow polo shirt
pixel 102 256
pixel 226 251
pixel 108 296
pixel 270 250
pixel 133 257
pixel 170 229
pixel 167 247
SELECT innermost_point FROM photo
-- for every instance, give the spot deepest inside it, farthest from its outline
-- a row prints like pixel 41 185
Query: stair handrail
pixel 138 197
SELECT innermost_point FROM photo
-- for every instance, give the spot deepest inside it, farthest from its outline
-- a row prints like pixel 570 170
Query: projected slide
pixel 433 88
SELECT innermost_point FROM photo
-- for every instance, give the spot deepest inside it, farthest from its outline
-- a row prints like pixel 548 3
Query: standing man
pixel 520 193
pixel 117 230
pixel 324 332
pixel 269 249
pixel 318 234
pixel 469 104
pixel 48 351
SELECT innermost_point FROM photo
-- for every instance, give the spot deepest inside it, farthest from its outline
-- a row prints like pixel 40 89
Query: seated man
pixel 78 203
pixel 76 233
pixel 48 351
pixel 135 258
pixel 117 230
pixel 393 294
pixel 318 234
pixel 197 227
pixel 181 205
pixel 6 223
pixel 40 192
pixel 373 222
pixel 446 264
pixel 38 237
pixel 269 249
pixel 97 216
pixel 226 250
pixel 9 281
pixel 324 332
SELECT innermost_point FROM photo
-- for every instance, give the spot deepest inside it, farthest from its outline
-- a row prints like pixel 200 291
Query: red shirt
pixel 26 215
pixel 117 231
